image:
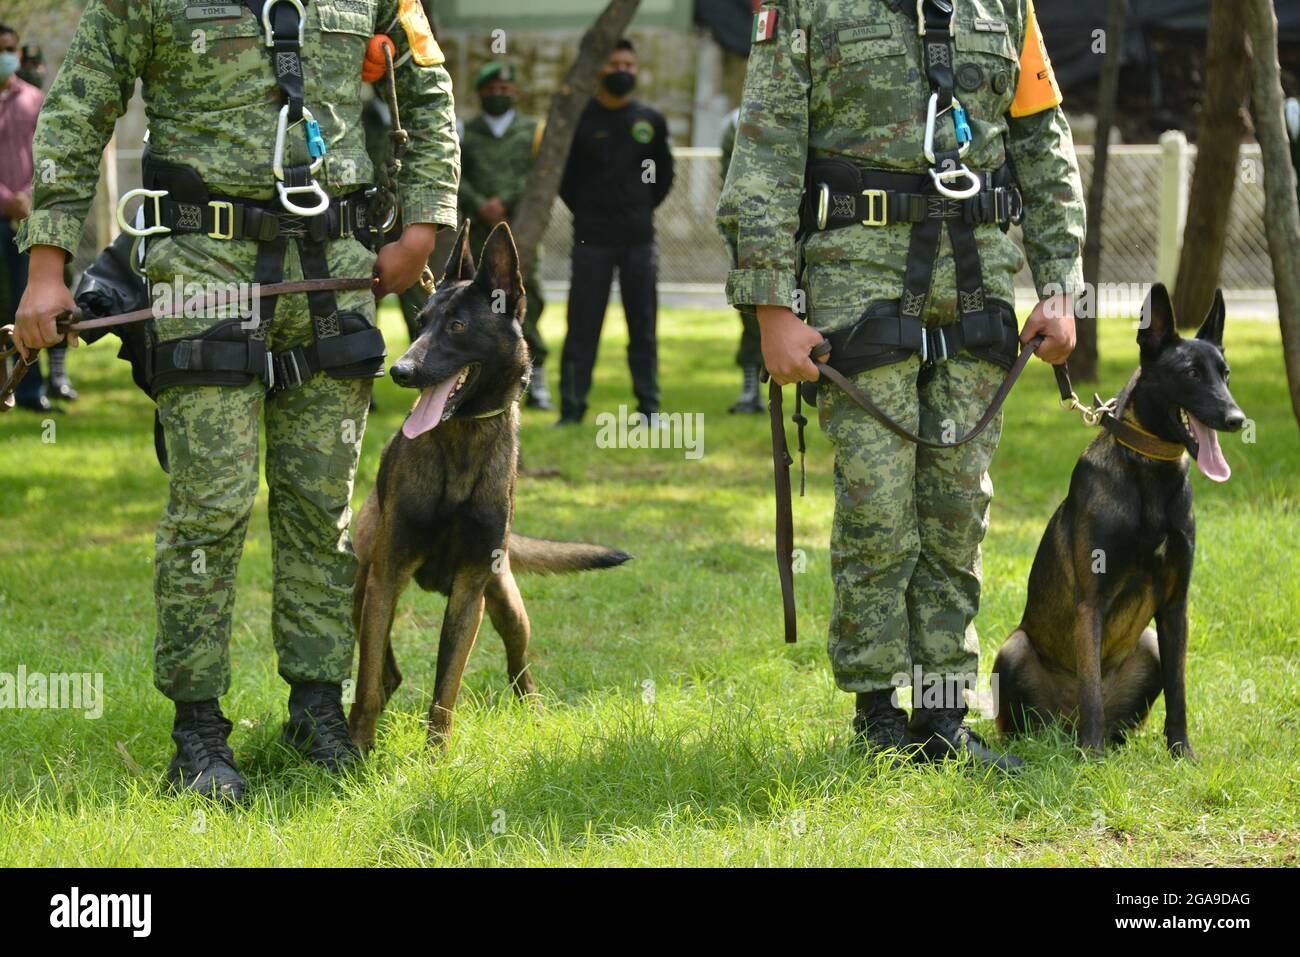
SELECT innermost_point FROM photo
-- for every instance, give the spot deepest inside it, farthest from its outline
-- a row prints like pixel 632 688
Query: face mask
pixel 619 83
pixel 8 65
pixel 497 104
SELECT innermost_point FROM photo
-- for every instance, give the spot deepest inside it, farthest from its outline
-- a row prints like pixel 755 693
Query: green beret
pixel 494 71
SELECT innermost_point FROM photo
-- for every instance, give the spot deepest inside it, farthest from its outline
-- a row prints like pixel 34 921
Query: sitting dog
pixel 443 504
pixel 1118 550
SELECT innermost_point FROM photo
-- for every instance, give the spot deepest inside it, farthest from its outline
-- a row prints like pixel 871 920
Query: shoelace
pixel 207 741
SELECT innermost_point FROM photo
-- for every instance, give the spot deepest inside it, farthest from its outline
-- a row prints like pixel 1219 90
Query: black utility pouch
pixel 357 352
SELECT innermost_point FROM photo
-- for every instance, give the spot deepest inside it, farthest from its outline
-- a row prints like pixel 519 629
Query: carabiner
pixel 270 30
pixel 155 230
pixel 281 130
pixel 932 114
pixel 943 177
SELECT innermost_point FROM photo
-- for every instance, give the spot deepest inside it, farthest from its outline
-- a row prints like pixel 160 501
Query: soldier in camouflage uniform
pixel 750 354
pixel 212 101
pixel 497 149
pixel 838 79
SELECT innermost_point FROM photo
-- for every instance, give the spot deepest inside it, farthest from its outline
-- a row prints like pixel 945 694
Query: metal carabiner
pixel 277 164
pixel 943 177
pixel 157 229
pixel 931 115
pixel 270 30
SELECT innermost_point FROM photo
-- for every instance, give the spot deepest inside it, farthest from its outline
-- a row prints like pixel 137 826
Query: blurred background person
pixel 620 168
pixel 20 103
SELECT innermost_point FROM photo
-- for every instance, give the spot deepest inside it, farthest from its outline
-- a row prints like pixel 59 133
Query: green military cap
pixel 494 71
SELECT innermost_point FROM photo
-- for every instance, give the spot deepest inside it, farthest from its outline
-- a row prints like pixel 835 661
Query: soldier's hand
pixel 1053 319
pixel 400 264
pixel 44 300
pixel 788 342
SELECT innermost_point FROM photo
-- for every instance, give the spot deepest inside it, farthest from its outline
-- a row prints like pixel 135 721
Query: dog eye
pixel 1193 373
pixel 456 325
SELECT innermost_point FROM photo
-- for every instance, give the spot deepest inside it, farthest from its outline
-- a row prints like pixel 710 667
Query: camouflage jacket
pixel 213 104
pixel 843 78
pixel 496 167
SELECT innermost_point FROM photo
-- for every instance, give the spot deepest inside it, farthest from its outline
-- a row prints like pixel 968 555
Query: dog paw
pixel 1183 751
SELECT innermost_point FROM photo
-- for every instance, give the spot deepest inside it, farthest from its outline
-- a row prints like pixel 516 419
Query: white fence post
pixel 1174 181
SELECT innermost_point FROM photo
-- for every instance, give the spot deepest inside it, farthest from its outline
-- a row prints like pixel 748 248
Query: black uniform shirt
pixel 605 182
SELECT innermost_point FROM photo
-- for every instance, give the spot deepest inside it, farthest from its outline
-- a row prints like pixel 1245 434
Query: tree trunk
pixel 1218 145
pixel 1281 210
pixel 1083 361
pixel 534 209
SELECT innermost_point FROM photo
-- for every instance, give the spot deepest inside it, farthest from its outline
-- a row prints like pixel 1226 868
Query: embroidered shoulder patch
pixel 764 25
pixel 1037 89
pixel 424 48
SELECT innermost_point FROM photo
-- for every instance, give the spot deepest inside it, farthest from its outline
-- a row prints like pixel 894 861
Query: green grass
pixel 675 727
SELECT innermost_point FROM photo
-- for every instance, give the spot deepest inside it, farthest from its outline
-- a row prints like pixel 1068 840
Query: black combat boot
pixel 751 400
pixel 538 396
pixel 879 724
pixel 937 733
pixel 204 762
pixel 317 727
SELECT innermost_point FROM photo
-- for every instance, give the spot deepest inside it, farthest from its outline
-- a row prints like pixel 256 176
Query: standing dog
pixel 1118 551
pixel 443 504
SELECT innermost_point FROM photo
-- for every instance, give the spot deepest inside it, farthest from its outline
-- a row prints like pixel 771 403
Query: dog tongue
pixel 1209 458
pixel 427 411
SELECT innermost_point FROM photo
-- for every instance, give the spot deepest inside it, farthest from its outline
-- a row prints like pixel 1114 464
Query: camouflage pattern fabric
pixel 313 441
pixel 500 167
pixel 213 103
pixel 842 79
pixel 750 351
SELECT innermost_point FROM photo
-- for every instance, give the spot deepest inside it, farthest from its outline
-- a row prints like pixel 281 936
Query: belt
pixel 840 193
pixel 262 221
pixel 878 340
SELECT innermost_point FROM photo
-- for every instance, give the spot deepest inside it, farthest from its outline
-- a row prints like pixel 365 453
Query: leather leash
pixel 72 321
pixel 782 460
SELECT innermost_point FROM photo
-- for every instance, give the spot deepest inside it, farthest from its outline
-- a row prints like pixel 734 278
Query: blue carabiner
pixel 961 127
pixel 315 142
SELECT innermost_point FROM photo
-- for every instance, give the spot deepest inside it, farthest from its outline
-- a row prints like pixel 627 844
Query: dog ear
pixel 460 264
pixel 1212 328
pixel 1157 329
pixel 498 272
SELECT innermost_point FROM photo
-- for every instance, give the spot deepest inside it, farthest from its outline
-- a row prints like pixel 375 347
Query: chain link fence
pixel 692 258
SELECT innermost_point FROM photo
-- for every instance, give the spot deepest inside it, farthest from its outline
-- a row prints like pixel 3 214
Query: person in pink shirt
pixel 20 103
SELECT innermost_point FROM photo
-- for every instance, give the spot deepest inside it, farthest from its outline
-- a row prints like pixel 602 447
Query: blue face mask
pixel 8 65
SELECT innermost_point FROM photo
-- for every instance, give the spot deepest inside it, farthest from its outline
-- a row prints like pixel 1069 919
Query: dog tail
pixel 547 557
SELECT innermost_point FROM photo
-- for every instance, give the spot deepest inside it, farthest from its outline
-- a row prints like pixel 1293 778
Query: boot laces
pixel 206 740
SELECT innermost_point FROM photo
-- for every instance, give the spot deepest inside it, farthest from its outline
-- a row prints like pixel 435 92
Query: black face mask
pixel 620 82
pixel 497 104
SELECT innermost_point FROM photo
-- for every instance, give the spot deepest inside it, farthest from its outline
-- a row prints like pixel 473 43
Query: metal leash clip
pixel 1091 415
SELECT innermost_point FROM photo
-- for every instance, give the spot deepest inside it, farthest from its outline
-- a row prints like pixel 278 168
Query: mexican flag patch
pixel 764 26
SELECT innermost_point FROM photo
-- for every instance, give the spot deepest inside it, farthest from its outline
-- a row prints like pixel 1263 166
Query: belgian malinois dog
pixel 442 508
pixel 1118 552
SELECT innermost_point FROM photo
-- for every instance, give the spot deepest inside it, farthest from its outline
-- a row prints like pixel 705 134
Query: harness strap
pixel 230 218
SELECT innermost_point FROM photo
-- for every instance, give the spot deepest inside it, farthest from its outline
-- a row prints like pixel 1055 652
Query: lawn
pixel 675 726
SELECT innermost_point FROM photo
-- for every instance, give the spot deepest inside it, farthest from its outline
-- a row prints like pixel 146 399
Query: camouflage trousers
pixel 313 441
pixel 905 543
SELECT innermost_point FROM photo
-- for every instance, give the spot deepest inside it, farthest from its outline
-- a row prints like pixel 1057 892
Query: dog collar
pixel 1132 436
